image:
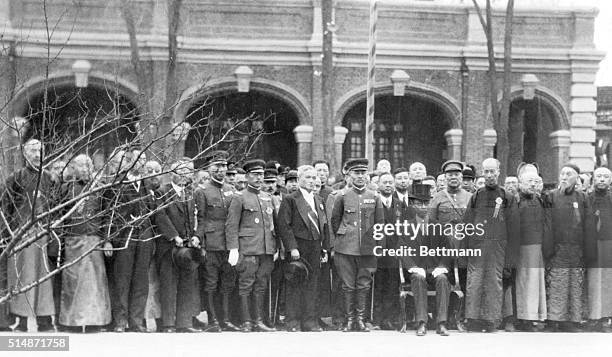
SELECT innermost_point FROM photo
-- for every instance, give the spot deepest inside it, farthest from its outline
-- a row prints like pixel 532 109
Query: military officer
pixel 212 203
pixel 354 214
pixel 252 243
pixel 448 206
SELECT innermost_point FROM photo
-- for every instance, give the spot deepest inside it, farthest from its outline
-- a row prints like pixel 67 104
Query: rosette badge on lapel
pixel 498 203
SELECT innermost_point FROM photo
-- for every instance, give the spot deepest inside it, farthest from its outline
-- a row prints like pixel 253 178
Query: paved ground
pixel 338 344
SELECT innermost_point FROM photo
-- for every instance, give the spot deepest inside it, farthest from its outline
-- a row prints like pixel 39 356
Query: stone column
pixel 339 136
pixel 454 139
pixel 489 137
pixel 303 138
pixel 560 141
pixel 582 120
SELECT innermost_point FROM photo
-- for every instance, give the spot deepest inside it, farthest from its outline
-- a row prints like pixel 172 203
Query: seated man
pixel 423 272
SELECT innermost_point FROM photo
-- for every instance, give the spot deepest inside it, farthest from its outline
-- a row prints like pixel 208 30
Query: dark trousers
pixel 386 290
pixel 302 298
pixel 419 286
pixel 355 271
pixel 253 273
pixel 219 273
pixel 131 275
pixel 178 290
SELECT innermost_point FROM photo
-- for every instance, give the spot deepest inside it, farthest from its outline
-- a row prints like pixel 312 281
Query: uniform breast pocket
pixel 350 215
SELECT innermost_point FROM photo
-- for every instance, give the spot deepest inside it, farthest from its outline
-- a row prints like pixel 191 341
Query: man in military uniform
pixel 212 203
pixel 497 211
pixel 253 244
pixel 448 207
pixel 355 212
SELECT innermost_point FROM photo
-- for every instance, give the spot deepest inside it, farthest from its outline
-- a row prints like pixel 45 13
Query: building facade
pixel 264 57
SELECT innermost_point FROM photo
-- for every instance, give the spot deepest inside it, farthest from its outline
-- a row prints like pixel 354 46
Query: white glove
pixel 325 257
pixel 417 271
pixel 195 241
pixel 295 254
pixel 233 257
pixel 438 271
pixel 275 257
pixel 178 241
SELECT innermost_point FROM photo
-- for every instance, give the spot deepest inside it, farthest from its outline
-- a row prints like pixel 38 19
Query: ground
pixel 373 344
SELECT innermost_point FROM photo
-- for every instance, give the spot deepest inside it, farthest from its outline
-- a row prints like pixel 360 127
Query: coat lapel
pixel 302 207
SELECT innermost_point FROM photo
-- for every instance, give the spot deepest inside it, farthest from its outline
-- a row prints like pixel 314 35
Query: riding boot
pixel 349 312
pixel 226 323
pixel 246 315
pixel 213 323
pixel 362 302
pixel 259 324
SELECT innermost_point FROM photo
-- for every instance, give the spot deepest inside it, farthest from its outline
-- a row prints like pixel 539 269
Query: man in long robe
pixel 565 263
pixel 535 238
pixel 599 252
pixel 24 194
pixel 497 212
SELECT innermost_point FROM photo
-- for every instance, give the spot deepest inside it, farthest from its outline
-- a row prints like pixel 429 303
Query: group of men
pixel 216 243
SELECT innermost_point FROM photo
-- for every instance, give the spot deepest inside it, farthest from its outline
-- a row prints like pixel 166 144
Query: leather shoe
pixel 119 329
pixel 293 329
pixel 442 330
pixel 422 329
pixel 167 330
pixel 461 327
pixel 138 328
pixel 228 326
pixel 212 328
pixel 509 327
pixel 188 330
pixel 312 328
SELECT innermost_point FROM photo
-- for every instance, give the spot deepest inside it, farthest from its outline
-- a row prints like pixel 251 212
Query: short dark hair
pixel 321 162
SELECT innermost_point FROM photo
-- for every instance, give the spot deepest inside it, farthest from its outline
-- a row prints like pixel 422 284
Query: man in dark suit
pixel 387 275
pixel 177 255
pixel 303 229
pixel 132 235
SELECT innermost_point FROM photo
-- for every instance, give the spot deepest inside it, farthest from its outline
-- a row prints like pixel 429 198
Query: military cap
pixel 572 166
pixel 297 271
pixel 356 164
pixel 469 173
pixel 291 175
pixel 240 171
pixel 217 157
pixel 270 174
pixel 272 164
pixel 254 166
pixel 231 168
pixel 400 170
pixel 452 165
pixel 283 170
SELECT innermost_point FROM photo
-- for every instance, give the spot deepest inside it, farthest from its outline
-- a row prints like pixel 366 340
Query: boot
pixel 259 325
pixel 348 311
pixel 213 323
pixel 226 323
pixel 362 302
pixel 246 316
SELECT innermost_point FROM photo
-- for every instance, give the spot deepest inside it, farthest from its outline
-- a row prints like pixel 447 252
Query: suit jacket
pixel 175 217
pixel 293 221
pixel 123 203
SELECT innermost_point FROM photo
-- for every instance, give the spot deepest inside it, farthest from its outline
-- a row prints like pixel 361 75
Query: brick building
pixel 275 47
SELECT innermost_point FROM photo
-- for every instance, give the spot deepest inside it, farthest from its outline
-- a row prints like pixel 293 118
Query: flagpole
pixel 369 132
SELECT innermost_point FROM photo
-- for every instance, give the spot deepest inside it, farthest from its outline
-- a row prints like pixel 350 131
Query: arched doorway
pixel 406 129
pixel 529 127
pixel 70 120
pixel 212 116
